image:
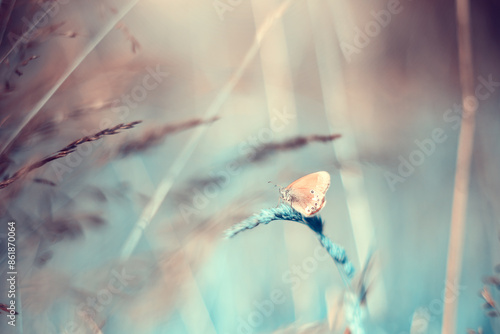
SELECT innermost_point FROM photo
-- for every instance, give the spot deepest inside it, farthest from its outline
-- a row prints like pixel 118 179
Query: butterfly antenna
pixel 274 184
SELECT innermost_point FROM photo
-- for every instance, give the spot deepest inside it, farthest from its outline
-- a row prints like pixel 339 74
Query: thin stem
pixel 6 20
pixel 66 151
pixel 284 212
pixel 25 37
pixel 462 173
pixel 88 49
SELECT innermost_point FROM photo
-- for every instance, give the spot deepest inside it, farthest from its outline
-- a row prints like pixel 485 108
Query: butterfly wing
pixel 307 194
pixel 316 181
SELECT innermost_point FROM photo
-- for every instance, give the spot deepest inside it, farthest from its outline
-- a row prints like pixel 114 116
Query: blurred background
pixel 123 230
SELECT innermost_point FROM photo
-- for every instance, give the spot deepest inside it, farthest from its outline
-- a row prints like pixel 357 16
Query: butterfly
pixel 307 194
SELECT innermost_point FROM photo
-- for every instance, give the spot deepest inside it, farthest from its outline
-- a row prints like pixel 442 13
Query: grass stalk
pixel 86 51
pixel 463 163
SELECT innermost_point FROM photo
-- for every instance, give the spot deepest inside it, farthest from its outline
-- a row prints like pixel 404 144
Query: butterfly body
pixel 307 194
